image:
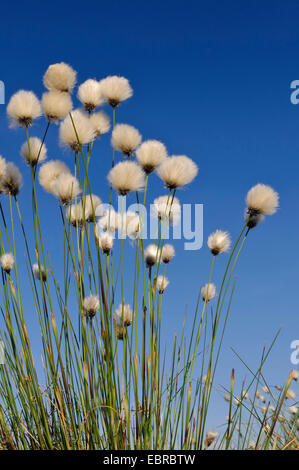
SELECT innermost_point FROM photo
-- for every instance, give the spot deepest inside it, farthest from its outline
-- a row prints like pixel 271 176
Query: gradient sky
pixel 212 81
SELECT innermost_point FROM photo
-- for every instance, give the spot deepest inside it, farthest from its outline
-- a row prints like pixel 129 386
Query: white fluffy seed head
pixel 131 224
pixel 2 166
pixel 266 389
pixel 90 95
pixel 49 172
pixel 177 171
pixel 60 77
pixel 100 123
pixel 166 207
pixel 115 89
pixel 150 155
pixel 7 261
pixel 92 202
pixel 262 199
pixel 290 394
pixel 168 253
pixel 23 108
pixel 208 292
pixel 109 221
pixel 293 409
pixel 210 438
pixel 38 151
pixel 219 242
pixel 11 181
pixel 124 314
pixel 151 254
pixel 125 177
pixel 295 374
pixel 91 305
pixel 56 105
pixel 77 127
pixel 125 138
pixel 75 214
pixel 161 284
pixel 106 242
pixel 66 188
pixel 39 274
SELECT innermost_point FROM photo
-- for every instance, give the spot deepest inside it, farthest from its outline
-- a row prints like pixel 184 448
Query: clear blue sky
pixel 211 80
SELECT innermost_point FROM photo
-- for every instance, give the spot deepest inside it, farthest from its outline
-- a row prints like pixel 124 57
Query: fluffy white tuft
pixel 90 95
pixel 161 284
pixel 91 305
pixel 151 154
pixel 168 253
pixel 11 181
pixel 125 138
pixel 295 374
pixel 106 242
pixel 219 242
pixel 7 261
pixel 151 254
pixel 56 105
pixel 109 221
pixel 166 207
pixel 2 166
pixel 91 203
pixel 66 188
pixel 83 130
pixel 60 77
pixel 124 314
pixel 75 214
pixel 208 292
pixel 210 438
pixel 49 172
pixel 293 409
pixel 39 274
pixel 262 199
pixel 100 123
pixel 37 153
pixel 290 394
pixel 115 89
pixel 23 108
pixel 176 171
pixel 126 176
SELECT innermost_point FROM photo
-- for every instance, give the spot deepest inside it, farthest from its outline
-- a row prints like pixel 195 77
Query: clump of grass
pixel 105 382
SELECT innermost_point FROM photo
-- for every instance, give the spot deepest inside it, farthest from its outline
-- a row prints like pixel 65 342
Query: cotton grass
pixel 7 261
pixel 23 108
pixel 56 105
pixel 35 153
pixel 126 177
pixel 60 77
pixel 115 90
pixel 76 130
pixel 150 154
pixel 177 171
pixel 49 173
pixel 125 138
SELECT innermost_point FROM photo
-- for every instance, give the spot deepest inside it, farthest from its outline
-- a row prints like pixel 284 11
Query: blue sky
pixel 212 81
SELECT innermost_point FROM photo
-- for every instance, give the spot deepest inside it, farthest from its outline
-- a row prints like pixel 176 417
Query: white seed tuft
pixel 49 173
pixel 60 77
pixel 115 89
pixel 23 108
pixel 90 95
pixel 125 177
pixel 7 261
pixel 177 171
pixel 56 105
pixel 37 153
pixel 150 155
pixel 125 138
pixel 219 242
pixel 208 292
